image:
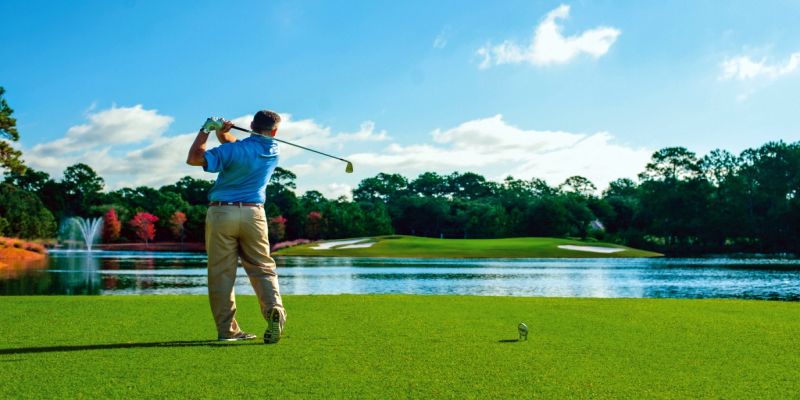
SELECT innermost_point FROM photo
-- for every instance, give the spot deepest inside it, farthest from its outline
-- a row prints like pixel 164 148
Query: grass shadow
pixel 508 341
pixel 111 346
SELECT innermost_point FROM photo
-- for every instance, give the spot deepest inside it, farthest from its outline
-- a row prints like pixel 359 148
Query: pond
pixel 119 273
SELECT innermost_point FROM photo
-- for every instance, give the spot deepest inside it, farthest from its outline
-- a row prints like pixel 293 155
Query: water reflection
pixel 69 275
pixel 185 273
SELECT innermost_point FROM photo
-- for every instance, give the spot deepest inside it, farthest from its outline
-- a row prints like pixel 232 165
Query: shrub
pixel 111 226
pixel 35 247
pixel 290 243
pixel 24 215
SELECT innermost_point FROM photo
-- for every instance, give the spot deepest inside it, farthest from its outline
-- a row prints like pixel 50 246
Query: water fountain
pixel 89 228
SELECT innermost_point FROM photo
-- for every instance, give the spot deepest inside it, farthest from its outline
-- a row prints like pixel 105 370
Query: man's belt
pixel 235 203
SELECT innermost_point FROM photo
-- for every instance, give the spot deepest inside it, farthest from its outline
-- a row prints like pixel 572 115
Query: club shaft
pixel 289 143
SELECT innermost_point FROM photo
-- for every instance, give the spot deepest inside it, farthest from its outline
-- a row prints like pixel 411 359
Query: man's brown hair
pixel 265 121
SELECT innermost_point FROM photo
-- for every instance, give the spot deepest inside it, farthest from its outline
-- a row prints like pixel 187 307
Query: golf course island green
pixel 424 247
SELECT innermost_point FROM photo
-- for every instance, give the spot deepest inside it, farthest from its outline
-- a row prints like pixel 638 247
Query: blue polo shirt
pixel 244 167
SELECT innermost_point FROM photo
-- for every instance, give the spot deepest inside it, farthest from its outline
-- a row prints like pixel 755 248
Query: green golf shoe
pixel 274 327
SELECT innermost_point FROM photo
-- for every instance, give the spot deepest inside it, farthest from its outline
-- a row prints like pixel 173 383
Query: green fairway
pixel 401 346
pixel 415 246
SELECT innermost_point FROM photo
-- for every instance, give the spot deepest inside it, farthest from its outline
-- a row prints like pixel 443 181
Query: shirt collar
pixel 259 137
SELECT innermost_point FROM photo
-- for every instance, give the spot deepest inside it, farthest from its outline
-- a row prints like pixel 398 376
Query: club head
pixel 349 168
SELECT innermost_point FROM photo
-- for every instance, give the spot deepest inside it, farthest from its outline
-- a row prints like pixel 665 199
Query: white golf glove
pixel 213 124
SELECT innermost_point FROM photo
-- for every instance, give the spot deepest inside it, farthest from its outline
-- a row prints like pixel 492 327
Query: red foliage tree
pixel 176 224
pixel 314 225
pixel 143 224
pixel 277 228
pixel 111 226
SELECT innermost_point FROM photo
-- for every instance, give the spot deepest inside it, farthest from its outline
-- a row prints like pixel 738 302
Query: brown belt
pixel 235 203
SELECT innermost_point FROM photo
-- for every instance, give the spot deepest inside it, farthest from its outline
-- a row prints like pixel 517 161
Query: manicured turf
pixel 402 347
pixel 414 246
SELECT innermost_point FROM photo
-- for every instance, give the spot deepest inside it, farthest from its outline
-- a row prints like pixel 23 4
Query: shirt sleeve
pixel 215 159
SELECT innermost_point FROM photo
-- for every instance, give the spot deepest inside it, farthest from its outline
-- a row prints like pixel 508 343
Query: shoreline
pixel 18 251
pixel 199 247
pixel 190 247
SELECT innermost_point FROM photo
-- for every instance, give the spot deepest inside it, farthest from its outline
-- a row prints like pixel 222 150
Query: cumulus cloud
pixel 117 125
pixel 549 45
pixel 308 133
pixel 744 68
pixel 488 146
pixel 128 148
pixel 365 133
pixel 336 190
pixel 493 147
pixel 107 142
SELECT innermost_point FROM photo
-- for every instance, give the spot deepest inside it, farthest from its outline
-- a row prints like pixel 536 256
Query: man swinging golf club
pixel 236 226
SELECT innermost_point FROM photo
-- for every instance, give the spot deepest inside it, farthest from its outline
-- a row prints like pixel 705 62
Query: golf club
pixel 348 169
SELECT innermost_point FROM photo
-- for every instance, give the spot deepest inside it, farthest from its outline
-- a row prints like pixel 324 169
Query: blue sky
pixel 545 89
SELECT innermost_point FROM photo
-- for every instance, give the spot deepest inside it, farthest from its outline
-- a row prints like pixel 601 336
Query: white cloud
pixel 489 146
pixel 365 133
pixel 497 149
pixel 117 125
pixel 105 143
pixel 549 46
pixel 744 68
pixel 308 133
pixel 336 190
pixel 126 146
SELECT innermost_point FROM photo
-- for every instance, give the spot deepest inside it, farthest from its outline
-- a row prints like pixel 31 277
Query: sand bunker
pixel 343 244
pixel 591 249
pixel 357 246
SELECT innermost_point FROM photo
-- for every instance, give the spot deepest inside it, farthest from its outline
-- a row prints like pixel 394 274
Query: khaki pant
pixel 239 233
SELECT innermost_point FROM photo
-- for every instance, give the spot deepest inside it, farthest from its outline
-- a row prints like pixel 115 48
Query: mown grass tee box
pixel 387 346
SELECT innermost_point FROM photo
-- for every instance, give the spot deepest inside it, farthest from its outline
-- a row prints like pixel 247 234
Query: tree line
pixel 680 203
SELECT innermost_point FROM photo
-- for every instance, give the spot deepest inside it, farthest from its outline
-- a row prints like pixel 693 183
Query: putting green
pixel 414 246
pixel 401 347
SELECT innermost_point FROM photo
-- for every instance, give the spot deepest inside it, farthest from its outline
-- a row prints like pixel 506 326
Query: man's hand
pixel 222 128
pixel 213 124
pixel 226 127
pixel 223 133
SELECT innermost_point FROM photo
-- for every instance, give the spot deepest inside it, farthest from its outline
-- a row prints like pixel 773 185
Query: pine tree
pixel 9 156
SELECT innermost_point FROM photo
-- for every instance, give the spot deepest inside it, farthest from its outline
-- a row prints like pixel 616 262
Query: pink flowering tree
pixel 277 228
pixel 143 224
pixel 176 225
pixel 111 226
pixel 314 225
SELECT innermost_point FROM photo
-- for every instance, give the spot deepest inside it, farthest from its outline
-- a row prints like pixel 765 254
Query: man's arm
pixel 197 153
